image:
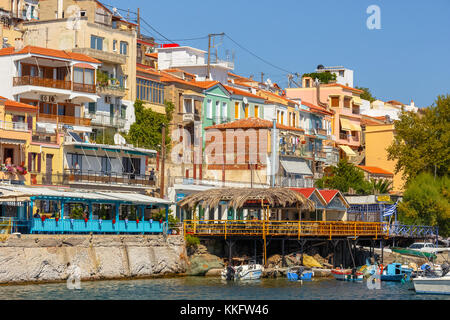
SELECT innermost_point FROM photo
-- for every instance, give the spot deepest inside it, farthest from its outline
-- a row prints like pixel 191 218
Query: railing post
pixel 330 230
pixel 225 230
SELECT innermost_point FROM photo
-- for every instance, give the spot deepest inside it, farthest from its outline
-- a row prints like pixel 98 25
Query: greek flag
pixel 390 209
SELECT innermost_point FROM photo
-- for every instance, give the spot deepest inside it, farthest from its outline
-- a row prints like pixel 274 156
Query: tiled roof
pixel 239 92
pixel 367 120
pixel 18 105
pixel 153 55
pixel 395 102
pixel 252 123
pixel 342 86
pixel 50 53
pixel 307 192
pixel 148 70
pixel 167 77
pixel 375 170
pixel 205 84
pixel 317 108
pixel 328 195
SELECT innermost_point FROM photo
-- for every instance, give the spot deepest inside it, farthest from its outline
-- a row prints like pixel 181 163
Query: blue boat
pixel 395 272
pixel 299 273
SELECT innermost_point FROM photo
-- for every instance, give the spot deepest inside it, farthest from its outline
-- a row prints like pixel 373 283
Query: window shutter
pixel 30 155
pixel 39 163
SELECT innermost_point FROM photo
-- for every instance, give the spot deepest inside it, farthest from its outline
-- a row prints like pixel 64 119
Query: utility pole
pixel 209 52
pixel 262 77
pixel 163 156
pixel 138 23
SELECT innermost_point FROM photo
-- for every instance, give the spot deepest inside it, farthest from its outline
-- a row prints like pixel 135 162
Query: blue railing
pixel 413 231
pixel 94 226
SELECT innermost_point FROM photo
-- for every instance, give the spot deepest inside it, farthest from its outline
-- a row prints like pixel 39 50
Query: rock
pixel 214 272
pixel 33 258
pixel 199 265
pixel 321 272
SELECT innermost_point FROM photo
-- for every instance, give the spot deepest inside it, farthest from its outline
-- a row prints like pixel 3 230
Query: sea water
pixel 206 288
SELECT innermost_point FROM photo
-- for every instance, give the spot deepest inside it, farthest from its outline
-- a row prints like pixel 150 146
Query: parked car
pixel 427 247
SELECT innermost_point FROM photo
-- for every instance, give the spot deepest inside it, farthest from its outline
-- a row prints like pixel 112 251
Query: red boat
pixel 347 275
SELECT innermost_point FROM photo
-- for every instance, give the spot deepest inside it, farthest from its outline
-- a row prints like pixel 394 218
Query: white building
pixel 392 109
pixel 344 76
pixel 194 61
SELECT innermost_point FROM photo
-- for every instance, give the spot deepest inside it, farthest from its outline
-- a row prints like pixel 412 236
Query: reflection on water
pixel 201 288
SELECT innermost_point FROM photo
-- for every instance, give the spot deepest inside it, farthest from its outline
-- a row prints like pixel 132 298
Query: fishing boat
pixel 395 272
pixel 347 274
pixel 299 273
pixel 433 280
pixel 430 285
pixel 250 271
pixel 414 252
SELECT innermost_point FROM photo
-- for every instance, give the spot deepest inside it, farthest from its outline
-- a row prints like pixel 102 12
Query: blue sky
pixel 408 58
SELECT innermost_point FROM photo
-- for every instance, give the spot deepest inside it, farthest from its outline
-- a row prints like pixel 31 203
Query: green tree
pixel 146 131
pixel 366 95
pixel 421 142
pixel 426 202
pixel 345 176
pixel 324 77
pixel 105 136
pixel 381 186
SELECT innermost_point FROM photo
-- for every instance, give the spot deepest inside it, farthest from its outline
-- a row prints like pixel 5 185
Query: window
pixel 106 165
pixel 92 107
pixel 188 106
pixel 246 111
pixel 85 76
pixel 82 13
pixel 74 159
pixel 307 83
pixel 346 102
pixel 123 48
pixel 282 117
pixel 209 109
pixel 61 110
pixel 114 45
pixel 123 111
pixel 256 111
pixel 236 110
pixel 96 43
pixel 150 91
pixel 218 111
pixel 224 110
pixel 335 102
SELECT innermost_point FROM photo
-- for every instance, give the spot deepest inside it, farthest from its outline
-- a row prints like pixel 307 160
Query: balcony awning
pixel 357 100
pixel 189 93
pixel 346 124
pixel 296 167
pixel 348 151
pixel 356 127
pixel 12 141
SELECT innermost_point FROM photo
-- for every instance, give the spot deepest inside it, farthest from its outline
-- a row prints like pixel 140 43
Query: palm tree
pixel 381 186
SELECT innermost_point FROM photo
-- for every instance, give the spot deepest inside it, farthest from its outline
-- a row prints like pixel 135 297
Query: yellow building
pixel 378 138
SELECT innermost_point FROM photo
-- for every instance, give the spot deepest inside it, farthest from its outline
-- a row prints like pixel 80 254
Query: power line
pixel 258 57
pixel 142 20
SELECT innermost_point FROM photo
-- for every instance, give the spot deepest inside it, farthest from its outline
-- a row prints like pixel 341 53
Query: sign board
pixel 180 196
pixel 384 198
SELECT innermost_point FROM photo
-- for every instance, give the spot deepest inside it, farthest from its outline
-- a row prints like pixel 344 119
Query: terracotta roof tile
pixel 242 92
pixel 252 123
pixel 342 86
pixel 375 170
pixel 328 195
pixel 11 104
pixel 317 108
pixel 50 53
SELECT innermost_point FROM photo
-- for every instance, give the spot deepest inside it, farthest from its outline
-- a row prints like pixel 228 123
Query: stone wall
pixel 40 258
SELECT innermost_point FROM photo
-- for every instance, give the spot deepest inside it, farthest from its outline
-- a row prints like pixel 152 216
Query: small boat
pixel 299 273
pixel 414 252
pixel 250 271
pixel 347 274
pixel 395 272
pixel 431 285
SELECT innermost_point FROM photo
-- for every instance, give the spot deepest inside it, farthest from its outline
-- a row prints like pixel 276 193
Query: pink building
pixel 345 102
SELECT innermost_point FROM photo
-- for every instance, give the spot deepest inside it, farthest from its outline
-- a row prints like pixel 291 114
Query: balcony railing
pixel 73 176
pixel 111 90
pixel 42 82
pixel 44 138
pixel 343 136
pixel 53 118
pixel 53 83
pixel 295 182
pixel 105 120
pixel 14 126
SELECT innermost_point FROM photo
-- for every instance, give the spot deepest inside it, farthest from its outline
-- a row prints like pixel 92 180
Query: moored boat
pixel 431 285
pixel 250 271
pixel 347 274
pixel 415 253
pixel 299 273
pixel 395 272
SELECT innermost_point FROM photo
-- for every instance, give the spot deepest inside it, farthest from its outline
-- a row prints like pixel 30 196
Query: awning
pixel 346 124
pixel 356 127
pixel 357 100
pixel 348 151
pixel 192 94
pixel 12 141
pixel 296 167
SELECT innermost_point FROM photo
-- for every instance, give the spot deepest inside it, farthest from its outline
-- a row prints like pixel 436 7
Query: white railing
pixel 296 182
pixel 105 120
pixel 14 126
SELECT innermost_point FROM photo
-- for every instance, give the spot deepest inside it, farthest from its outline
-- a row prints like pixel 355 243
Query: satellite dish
pixel 320 67
pixel 119 140
pixel 245 100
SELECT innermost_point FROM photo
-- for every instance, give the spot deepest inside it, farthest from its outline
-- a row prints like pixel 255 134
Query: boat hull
pixel 293 276
pixel 415 253
pixel 347 275
pixel 432 285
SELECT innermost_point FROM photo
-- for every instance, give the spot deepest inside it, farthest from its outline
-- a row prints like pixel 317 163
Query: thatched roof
pixel 275 197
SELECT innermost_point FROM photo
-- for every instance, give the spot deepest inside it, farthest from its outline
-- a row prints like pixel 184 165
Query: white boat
pixel 251 271
pixel 432 285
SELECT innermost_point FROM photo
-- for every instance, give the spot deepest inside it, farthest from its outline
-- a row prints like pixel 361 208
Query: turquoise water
pixel 201 288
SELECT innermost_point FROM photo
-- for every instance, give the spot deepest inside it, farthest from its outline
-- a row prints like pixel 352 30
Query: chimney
pixel 18 44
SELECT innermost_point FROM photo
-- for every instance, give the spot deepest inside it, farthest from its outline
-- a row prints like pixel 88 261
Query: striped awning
pixel 348 151
pixel 346 124
pixel 356 127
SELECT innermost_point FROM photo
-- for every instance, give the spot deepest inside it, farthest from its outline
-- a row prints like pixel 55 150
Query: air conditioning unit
pixel 108 99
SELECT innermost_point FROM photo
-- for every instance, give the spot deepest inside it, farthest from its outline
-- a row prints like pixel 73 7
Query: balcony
pixel 188 117
pixel 53 118
pixel 296 182
pixel 44 138
pixel 14 126
pixel 355 111
pixel 322 132
pixel 104 56
pixel 321 155
pixel 42 82
pixel 107 121
pixel 343 136
pixel 112 90
pixel 53 83
pixel 72 176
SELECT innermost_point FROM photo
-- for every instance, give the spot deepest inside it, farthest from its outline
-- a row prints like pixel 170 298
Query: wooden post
pixel 282 253
pixel 163 157
pixel 382 251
